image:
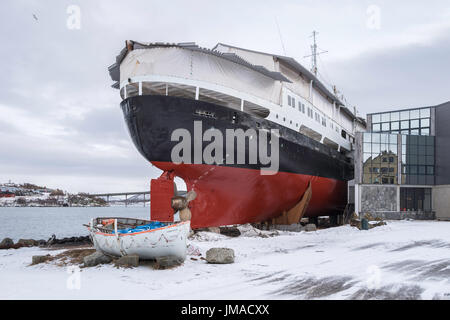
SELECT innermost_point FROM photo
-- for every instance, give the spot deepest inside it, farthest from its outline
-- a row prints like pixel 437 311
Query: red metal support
pixel 161 194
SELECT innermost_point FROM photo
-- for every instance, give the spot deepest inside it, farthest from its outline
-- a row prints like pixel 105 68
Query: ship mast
pixel 314 53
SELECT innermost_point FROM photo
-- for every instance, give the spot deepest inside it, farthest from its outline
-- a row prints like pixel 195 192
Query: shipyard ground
pixel 402 260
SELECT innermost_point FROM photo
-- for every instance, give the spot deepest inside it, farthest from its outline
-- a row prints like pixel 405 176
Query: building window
pixel 415 121
pixel 376 127
pixel 415 199
pixel 418 160
pixel 379 158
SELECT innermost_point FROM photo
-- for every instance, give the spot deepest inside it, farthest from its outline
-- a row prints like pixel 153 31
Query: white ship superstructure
pixel 268 86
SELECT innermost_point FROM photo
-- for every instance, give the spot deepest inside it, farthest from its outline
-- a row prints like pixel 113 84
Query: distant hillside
pixel 31 195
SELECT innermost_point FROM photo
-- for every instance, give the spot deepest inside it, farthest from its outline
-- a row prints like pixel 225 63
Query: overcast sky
pixel 60 122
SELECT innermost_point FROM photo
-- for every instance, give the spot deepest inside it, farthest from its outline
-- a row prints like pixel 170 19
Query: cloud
pixel 394 78
pixel 60 121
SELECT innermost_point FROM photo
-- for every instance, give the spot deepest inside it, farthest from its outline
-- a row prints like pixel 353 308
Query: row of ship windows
pixel 314 115
pixel 311 113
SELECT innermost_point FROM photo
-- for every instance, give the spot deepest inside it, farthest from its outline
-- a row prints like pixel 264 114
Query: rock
pixel 27 242
pixel 131 260
pixel 72 241
pixel 220 255
pixel 310 227
pixel 95 259
pixel 213 229
pixel 6 243
pixel 40 259
pixel 230 231
pixel 51 239
pixel 167 262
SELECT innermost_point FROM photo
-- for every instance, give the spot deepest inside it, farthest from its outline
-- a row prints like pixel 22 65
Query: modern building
pixel 402 164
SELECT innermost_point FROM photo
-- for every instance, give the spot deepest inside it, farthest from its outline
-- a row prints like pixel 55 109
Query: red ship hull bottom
pixel 230 195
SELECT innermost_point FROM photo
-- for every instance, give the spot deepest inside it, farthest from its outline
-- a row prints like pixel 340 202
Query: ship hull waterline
pixel 237 194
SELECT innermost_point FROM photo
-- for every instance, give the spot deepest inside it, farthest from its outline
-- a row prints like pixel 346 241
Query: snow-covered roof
pixel 114 70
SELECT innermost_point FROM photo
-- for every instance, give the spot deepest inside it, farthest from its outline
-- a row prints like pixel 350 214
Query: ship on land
pixel 167 87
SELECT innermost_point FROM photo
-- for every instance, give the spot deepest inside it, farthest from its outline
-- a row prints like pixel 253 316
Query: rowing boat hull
pixel 149 244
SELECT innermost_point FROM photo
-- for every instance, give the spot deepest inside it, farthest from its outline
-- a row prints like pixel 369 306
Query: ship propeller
pixel 181 204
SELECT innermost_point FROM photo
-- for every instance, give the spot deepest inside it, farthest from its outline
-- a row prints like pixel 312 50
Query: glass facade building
pixel 397 157
pixel 410 122
pixel 402 164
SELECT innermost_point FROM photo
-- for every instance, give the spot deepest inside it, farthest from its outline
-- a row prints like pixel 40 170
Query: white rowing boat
pixel 147 239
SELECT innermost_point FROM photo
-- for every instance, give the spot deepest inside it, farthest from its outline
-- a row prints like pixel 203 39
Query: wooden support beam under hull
pixel 297 212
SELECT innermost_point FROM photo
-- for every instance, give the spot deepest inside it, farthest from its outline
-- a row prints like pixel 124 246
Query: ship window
pixel 324 122
pixel 293 102
pixel 344 134
pixel 276 116
pixel 317 117
pixel 289 100
pixel 284 118
pixel 303 107
pixel 291 122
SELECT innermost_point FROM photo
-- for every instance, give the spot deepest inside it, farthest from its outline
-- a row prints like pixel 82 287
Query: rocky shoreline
pixel 8 243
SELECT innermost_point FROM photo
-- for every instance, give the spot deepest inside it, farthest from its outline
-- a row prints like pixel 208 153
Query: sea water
pixel 41 222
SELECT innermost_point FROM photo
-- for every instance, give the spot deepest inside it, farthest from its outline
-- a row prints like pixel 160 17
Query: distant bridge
pixel 130 197
pixel 133 199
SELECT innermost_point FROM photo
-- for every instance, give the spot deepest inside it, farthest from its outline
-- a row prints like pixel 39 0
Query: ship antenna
pixel 279 34
pixel 314 53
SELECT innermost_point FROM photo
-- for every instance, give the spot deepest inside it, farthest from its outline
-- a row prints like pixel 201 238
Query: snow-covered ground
pixel 402 260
